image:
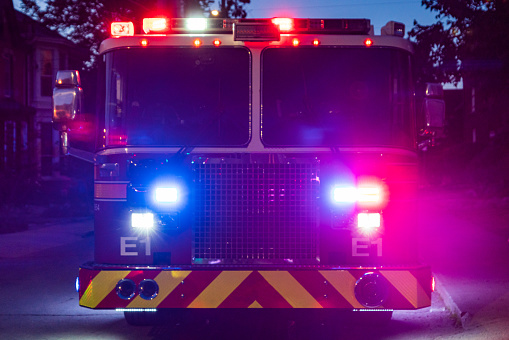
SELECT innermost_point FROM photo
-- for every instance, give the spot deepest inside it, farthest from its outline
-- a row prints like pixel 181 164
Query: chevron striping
pixel 219 289
pixel 344 282
pixel 167 281
pixel 408 286
pixel 291 290
pixel 100 287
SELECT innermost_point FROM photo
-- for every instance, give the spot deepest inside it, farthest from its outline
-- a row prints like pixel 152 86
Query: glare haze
pixel 378 11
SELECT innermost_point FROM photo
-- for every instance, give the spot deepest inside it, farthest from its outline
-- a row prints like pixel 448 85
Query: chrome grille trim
pixel 256 213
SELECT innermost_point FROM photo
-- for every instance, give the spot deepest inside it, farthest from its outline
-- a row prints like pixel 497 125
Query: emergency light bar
pixel 251 29
pixel 153 25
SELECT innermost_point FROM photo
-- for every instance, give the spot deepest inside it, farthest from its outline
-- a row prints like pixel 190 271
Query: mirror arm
pixel 81 154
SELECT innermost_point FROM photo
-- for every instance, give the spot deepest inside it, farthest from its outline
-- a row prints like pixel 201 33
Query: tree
pixel 468 42
pixel 86 22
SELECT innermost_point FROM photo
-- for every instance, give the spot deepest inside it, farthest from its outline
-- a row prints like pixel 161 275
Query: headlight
pixel 142 220
pixel 361 195
pixel 166 195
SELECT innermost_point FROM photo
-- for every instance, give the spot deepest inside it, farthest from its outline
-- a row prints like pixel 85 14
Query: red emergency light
pixel 119 29
pixel 155 25
pixel 284 24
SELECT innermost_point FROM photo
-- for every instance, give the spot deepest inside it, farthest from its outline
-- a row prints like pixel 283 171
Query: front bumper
pixel 232 287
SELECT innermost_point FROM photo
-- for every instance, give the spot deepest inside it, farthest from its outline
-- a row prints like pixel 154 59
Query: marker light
pixel 142 220
pixel 284 24
pixel 368 42
pixel 144 42
pixel 217 42
pixel 154 25
pixel 197 42
pixel 368 221
pixel 316 42
pixel 196 24
pixel 122 29
pixel 166 195
pixel 295 42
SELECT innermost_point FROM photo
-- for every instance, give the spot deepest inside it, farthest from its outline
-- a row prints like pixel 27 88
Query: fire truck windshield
pixel 324 96
pixel 177 96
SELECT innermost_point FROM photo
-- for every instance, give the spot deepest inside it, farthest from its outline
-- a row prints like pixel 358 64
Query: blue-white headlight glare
pixel 143 220
pixel 166 195
pixel 345 195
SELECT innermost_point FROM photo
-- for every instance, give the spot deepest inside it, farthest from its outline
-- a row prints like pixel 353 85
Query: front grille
pixel 256 213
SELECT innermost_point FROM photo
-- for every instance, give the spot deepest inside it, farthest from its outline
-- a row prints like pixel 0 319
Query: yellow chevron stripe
pixel 408 286
pixel 344 283
pixel 102 284
pixel 219 289
pixel 291 290
pixel 255 304
pixel 167 281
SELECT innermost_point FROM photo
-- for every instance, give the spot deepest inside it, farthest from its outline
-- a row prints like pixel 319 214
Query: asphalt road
pixel 38 300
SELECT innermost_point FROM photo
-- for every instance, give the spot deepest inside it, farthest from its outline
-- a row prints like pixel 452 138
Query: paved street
pixel 465 239
pixel 38 301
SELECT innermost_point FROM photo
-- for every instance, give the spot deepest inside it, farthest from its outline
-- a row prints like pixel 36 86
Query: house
pixel 30 56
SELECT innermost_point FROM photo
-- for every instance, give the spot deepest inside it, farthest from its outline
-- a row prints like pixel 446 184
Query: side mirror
pixel 434 112
pixel 430 115
pixel 67 99
pixel 434 106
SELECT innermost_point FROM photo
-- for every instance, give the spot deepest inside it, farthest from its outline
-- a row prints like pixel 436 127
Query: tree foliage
pixel 87 22
pixel 467 39
pixel 469 43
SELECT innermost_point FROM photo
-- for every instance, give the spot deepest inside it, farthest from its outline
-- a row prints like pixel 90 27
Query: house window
pixel 9 76
pixel 46 73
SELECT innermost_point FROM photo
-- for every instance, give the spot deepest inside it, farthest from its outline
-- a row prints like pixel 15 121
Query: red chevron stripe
pixel 424 278
pixel 396 300
pixel 184 294
pixel 326 295
pixel 255 288
pixel 86 276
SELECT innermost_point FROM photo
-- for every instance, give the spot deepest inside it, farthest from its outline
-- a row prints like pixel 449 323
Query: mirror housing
pixel 434 106
pixel 67 99
pixel 430 115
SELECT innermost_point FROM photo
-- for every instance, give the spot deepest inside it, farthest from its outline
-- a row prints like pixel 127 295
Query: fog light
pixel 371 290
pixel 126 288
pixel 148 289
pixel 368 222
pixel 142 220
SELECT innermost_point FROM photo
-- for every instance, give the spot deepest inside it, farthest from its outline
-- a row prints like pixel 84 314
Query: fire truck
pixel 251 163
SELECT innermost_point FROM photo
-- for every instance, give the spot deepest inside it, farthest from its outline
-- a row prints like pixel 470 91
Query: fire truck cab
pixel 252 163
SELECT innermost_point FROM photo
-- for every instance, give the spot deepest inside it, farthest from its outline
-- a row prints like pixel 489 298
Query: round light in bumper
pixel 371 290
pixel 126 289
pixel 148 289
